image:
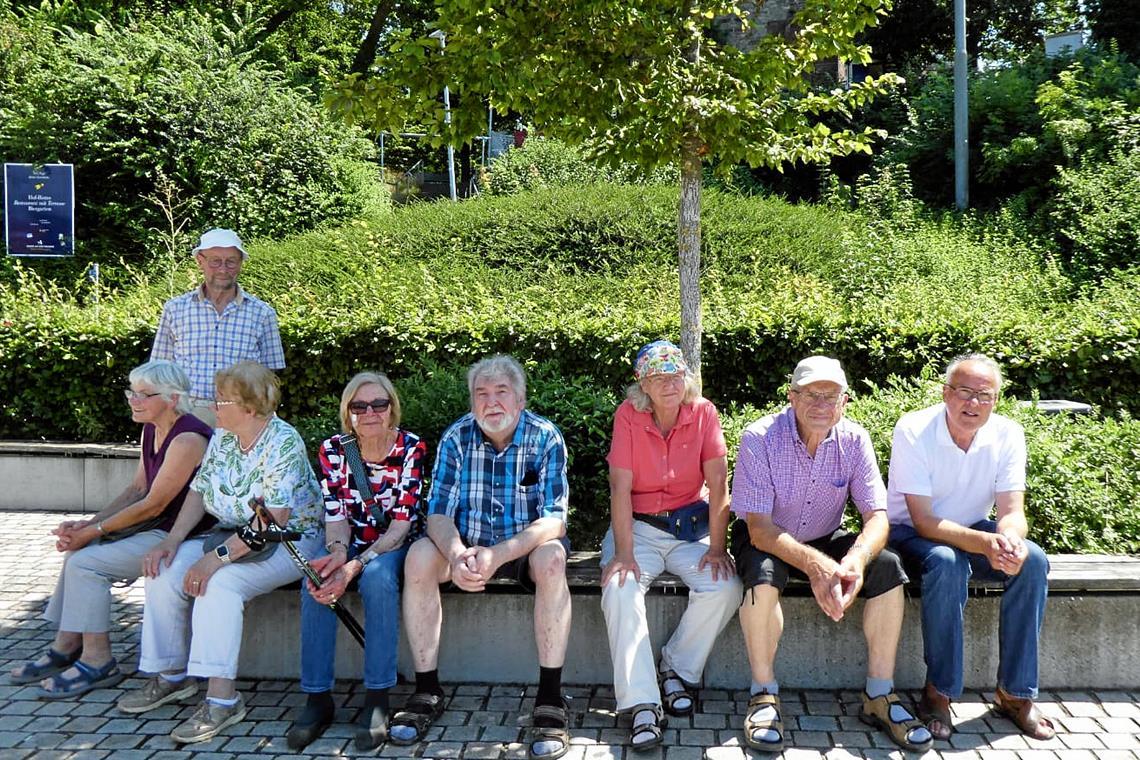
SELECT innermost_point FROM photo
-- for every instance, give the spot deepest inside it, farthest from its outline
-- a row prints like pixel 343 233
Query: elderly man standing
pixel 497 510
pixel 794 474
pixel 217 325
pixel 950 464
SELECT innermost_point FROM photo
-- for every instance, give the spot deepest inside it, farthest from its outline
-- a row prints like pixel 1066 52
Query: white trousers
pixel 203 634
pixel 711 605
pixel 81 602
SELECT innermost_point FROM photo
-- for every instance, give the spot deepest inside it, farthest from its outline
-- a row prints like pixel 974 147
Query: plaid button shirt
pixel 193 335
pixel 806 495
pixel 493 495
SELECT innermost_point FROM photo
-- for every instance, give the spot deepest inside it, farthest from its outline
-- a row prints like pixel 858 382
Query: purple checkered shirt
pixel 194 336
pixel 805 495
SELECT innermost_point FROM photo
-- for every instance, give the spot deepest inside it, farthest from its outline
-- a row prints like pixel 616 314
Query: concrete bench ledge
pixel 65 449
pixel 1093 598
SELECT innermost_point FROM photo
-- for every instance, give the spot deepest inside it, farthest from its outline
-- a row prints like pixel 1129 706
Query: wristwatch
pixel 365 557
pixel 222 552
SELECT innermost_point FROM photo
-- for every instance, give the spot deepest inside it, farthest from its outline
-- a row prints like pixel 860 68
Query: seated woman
pixel 368 528
pixel 110 546
pixel 195 596
pixel 668 511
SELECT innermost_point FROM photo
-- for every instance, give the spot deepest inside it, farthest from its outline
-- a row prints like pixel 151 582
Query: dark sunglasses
pixel 376 405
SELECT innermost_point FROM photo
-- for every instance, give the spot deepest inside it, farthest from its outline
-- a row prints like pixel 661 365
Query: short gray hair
pixel 643 403
pixel 982 359
pixel 499 365
pixel 168 379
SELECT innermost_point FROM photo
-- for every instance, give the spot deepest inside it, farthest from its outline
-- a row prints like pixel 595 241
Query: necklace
pixel 247 449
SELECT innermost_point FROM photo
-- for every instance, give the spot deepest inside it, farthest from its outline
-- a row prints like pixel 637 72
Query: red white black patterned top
pixel 397 484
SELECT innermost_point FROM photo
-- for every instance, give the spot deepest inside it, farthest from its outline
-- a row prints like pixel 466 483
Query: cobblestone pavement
pixel 481 721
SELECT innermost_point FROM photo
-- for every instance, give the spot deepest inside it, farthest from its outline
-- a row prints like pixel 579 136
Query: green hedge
pixel 450 283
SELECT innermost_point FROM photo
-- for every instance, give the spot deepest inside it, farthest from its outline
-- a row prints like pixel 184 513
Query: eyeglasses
pixel 985 398
pixel 222 263
pixel 216 403
pixel 820 399
pixel 377 405
pixel 663 379
pixel 132 395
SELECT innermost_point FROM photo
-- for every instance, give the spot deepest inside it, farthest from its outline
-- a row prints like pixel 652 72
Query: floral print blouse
pixel 276 468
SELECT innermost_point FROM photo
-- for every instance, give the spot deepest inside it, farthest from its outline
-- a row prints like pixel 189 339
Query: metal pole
pixel 961 110
pixel 439 35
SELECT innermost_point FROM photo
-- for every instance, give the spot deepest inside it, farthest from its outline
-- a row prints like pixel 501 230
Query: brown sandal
pixel 877 712
pixel 1024 714
pixel 934 710
pixel 752 725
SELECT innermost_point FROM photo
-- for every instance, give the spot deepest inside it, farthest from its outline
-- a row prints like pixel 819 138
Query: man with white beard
pixel 497 509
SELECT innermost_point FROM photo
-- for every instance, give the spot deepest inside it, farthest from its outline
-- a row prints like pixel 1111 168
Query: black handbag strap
pixel 358 474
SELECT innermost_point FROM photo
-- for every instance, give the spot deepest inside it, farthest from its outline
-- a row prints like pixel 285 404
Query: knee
pixel 381 576
pixel 616 598
pixel 423 563
pixel 759 601
pixel 548 564
pixel 1036 564
pixel 945 564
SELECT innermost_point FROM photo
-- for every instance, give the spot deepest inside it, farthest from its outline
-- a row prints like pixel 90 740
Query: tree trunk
pixel 366 53
pixel 689 253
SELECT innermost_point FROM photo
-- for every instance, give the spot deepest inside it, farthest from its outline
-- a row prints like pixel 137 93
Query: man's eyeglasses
pixel 820 399
pixel 985 398
pixel 133 395
pixel 222 263
pixel 376 405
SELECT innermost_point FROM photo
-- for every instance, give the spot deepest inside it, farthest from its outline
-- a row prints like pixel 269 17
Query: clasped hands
pixel 473 567
pixel 1006 552
pixel 836 584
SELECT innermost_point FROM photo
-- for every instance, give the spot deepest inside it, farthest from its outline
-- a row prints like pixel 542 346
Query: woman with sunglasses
pixel 368 528
pixel 109 547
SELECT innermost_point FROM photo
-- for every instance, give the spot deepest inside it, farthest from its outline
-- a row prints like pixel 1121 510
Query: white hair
pixel 166 378
pixel 982 359
pixel 499 365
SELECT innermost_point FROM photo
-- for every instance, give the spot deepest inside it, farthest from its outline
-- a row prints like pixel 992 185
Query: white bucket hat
pixel 219 238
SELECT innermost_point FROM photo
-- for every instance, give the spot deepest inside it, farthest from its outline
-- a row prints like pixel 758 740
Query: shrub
pixel 543 162
pixel 448 284
pixel 177 98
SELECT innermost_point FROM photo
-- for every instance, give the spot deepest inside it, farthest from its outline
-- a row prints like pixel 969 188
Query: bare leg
pixel 551 603
pixel 762 620
pixel 424 569
pixel 882 625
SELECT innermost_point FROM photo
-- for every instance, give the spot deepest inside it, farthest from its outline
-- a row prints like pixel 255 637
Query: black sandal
pixel 32 671
pixel 655 729
pixel 420 711
pixel 557 729
pixel 669 699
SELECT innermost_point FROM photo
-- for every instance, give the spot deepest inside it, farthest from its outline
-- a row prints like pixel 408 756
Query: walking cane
pixel 268 529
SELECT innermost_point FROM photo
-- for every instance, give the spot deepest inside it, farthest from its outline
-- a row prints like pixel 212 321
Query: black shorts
pixel 518 569
pixel 757 568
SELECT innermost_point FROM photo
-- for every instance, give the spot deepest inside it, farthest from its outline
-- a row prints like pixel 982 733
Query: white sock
pixel 765 712
pixel 222 702
pixel 173 677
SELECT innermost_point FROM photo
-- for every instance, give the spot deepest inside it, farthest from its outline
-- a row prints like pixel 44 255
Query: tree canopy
pixel 643 81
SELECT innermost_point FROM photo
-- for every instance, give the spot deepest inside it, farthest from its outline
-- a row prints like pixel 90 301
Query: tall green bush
pixel 183 99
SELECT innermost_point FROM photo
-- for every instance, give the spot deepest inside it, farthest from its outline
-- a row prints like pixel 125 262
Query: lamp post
pixel 438 34
pixel 961 110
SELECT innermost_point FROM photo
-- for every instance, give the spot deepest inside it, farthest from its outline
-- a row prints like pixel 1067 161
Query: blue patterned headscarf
pixel 659 358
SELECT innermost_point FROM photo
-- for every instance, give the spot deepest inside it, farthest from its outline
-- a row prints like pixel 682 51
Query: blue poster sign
pixel 39 209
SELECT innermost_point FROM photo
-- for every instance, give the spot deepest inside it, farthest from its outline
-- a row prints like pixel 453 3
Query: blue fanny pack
pixel 687 523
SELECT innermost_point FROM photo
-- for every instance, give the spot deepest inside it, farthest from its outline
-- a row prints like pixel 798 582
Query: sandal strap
pixel 551 712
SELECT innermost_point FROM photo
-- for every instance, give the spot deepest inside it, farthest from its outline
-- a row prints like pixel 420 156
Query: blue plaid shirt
pixel 193 335
pixel 494 495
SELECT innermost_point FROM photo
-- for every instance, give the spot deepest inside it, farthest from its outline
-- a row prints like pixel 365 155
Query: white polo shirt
pixel 925 461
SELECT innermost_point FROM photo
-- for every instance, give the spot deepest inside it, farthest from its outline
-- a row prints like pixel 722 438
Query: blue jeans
pixel 379 587
pixel 945 572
